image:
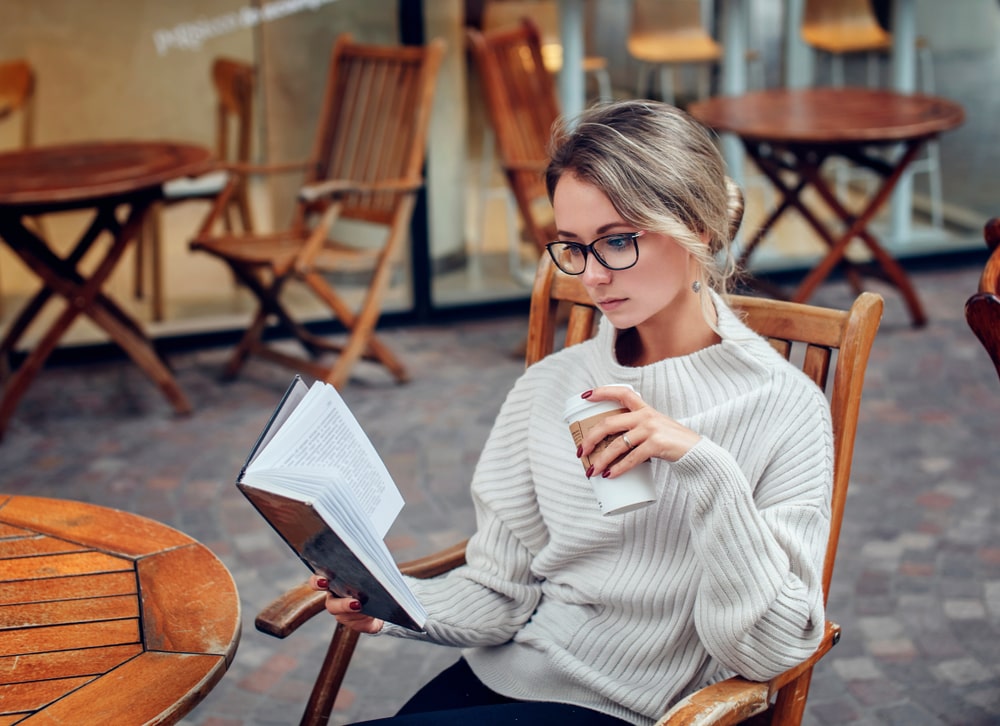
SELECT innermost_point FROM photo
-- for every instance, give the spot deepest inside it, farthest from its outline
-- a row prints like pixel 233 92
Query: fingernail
pixel 606 473
pixel 355 605
pixel 579 451
pixel 322 583
pixel 586 394
pixel 590 472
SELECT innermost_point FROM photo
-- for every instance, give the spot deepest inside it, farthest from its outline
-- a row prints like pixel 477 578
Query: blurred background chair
pixel 821 340
pixel 982 310
pixel 666 37
pixel 522 106
pixel 545 15
pixel 233 83
pixel 837 29
pixel 352 214
pixel 17 106
pixel 507 15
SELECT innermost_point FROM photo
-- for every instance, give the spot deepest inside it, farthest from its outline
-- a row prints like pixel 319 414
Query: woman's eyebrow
pixel 603 229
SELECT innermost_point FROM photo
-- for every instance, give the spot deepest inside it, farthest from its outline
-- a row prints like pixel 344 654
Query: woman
pixel 564 613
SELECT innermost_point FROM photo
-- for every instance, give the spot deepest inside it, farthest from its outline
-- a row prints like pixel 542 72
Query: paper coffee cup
pixel 624 493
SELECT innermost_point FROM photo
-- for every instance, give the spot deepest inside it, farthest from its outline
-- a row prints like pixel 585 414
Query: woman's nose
pixel 595 273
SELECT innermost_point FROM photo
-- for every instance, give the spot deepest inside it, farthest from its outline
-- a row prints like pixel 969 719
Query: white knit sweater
pixel 625 614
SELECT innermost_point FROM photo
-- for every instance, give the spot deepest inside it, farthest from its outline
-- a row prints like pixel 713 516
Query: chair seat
pixel 278 251
pixel 552 57
pixel 687 47
pixel 206 185
pixel 847 38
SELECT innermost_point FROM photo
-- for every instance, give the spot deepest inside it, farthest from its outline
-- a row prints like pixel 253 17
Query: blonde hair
pixel 662 172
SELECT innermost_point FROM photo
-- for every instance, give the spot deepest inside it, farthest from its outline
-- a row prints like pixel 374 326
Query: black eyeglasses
pixel 618 251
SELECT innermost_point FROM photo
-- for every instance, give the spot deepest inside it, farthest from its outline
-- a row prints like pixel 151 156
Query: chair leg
pixel 330 678
pixel 156 267
pixel 361 327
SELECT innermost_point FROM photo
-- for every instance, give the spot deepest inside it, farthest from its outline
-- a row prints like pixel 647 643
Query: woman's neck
pixel 665 336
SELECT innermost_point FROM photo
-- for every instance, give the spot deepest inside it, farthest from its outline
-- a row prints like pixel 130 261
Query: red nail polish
pixel 606 473
pixel 322 583
pixel 586 394
pixel 590 472
pixel 355 605
pixel 579 451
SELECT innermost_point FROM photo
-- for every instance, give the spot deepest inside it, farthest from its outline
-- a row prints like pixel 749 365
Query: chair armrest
pixel 334 187
pixel 437 563
pixel 736 699
pixel 283 616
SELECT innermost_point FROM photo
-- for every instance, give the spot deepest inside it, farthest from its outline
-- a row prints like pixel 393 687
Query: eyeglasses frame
pixel 588 249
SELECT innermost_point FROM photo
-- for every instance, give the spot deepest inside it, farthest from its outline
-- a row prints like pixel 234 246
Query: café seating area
pixel 916 587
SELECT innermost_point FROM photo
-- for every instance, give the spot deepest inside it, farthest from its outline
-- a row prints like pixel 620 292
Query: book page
pixel 322 435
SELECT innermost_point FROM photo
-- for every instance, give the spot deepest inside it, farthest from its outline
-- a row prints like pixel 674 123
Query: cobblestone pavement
pixel 917 582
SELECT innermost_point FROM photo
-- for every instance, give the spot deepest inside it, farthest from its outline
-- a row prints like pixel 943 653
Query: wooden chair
pixel 545 15
pixel 522 105
pixel 233 81
pixel 17 105
pixel 832 347
pixel 366 169
pixel 840 28
pixel 982 310
pixel 666 36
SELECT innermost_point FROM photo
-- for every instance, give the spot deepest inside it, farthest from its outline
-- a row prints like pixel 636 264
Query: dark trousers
pixel 455 697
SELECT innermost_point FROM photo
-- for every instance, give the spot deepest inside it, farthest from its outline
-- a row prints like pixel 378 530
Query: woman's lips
pixel 611 303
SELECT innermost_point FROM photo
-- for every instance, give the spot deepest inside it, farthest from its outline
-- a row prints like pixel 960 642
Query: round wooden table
pixel 790 133
pixel 107 617
pixel 118 181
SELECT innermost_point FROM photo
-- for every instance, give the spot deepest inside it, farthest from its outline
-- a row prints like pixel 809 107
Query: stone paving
pixel 917 582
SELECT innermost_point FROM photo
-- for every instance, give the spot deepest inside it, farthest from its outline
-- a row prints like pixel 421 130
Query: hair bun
pixel 734 207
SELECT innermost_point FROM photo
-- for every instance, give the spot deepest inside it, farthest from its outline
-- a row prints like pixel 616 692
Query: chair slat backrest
pixel 17 96
pixel 676 17
pixel 982 310
pixel 523 108
pixel 377 104
pixel 233 81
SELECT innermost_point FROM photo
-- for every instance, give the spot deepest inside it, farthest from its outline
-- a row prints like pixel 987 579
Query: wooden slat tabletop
pixel 105 613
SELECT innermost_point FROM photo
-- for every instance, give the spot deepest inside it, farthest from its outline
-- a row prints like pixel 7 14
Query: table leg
pixel 28 313
pixel 83 296
pixel 806 164
pixel 858 227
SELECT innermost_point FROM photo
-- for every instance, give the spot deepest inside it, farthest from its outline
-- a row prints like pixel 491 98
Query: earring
pixel 696 286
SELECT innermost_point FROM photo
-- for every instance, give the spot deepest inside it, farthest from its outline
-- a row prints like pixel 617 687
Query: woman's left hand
pixel 642 433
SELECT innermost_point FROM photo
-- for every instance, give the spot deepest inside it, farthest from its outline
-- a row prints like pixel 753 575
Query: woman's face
pixel 657 288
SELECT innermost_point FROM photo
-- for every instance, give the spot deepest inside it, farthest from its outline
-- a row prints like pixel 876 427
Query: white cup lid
pixel 575 405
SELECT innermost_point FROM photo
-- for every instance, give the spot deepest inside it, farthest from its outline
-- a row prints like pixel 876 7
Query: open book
pixel 316 478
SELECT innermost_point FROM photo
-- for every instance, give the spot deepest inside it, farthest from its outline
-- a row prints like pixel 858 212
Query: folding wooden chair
pixel 982 310
pixel 233 81
pixel 366 167
pixel 821 340
pixel 523 107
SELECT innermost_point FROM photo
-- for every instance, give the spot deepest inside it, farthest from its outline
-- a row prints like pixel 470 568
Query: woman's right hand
pixel 347 610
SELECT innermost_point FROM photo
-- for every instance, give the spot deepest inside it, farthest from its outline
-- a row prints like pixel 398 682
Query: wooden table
pixel 790 133
pixel 107 617
pixel 118 181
